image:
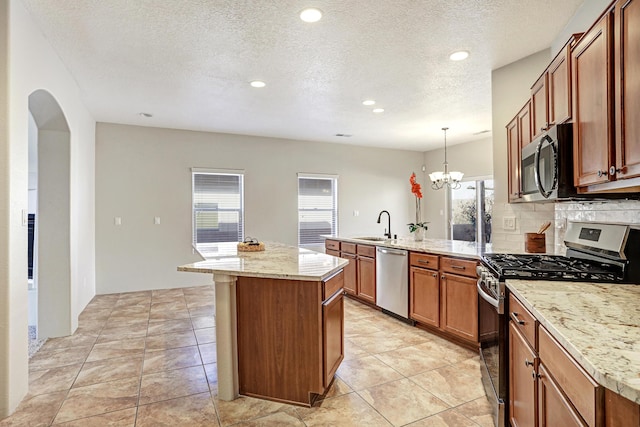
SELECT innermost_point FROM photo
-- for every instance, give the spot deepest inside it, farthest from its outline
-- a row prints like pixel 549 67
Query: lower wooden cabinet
pixel 554 408
pixel 459 306
pixel 333 332
pixel 523 387
pixel 424 296
pixel 350 274
pixel 367 278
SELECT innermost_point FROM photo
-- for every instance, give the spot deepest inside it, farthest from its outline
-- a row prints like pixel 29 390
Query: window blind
pixel 317 208
pixel 218 207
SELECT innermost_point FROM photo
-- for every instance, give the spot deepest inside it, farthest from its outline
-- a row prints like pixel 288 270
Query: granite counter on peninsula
pixel 279 320
pixel 598 325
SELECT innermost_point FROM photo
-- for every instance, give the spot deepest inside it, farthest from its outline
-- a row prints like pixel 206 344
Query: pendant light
pixel 450 179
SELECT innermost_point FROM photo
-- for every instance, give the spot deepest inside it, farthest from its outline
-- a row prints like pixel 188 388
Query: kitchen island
pixel 279 320
pixel 598 324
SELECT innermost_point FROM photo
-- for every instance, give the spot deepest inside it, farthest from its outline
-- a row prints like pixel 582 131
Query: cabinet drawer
pixel 334 245
pixel 417 259
pixel 332 285
pixel 463 267
pixel 368 251
pixel 523 320
pixel 583 392
pixel 332 252
pixel 349 248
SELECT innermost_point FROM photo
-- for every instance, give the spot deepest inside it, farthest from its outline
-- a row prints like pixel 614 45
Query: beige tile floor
pixel 149 359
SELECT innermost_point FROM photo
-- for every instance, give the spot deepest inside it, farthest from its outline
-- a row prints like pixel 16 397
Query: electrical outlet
pixel 509 223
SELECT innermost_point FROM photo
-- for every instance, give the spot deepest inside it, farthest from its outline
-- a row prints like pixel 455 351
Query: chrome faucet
pixel 386 233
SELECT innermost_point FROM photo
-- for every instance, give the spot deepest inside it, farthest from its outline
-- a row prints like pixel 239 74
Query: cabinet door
pixel 627 79
pixel 522 381
pixel 333 336
pixel 350 274
pixel 524 125
pixel 459 306
pixel 514 153
pixel 559 88
pixel 424 295
pixel 367 279
pixel 539 111
pixel 554 408
pixel 592 112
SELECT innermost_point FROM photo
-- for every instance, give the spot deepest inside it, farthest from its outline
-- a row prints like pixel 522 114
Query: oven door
pixel 493 347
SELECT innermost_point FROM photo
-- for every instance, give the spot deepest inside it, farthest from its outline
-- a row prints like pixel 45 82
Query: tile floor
pixel 148 359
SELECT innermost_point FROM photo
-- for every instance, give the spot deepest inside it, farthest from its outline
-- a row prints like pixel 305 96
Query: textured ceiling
pixel 189 63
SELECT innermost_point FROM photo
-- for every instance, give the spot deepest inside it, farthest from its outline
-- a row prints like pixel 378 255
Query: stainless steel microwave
pixel 547 166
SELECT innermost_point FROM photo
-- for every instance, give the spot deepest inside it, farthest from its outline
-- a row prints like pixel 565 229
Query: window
pixel 468 203
pixel 317 208
pixel 218 206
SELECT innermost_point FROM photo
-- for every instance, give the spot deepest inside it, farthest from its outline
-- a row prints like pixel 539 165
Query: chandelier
pixel 450 179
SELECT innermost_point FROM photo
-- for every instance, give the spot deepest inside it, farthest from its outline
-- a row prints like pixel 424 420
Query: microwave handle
pixel 536 167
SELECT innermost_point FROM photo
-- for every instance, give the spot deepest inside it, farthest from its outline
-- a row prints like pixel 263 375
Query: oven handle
pixel 490 299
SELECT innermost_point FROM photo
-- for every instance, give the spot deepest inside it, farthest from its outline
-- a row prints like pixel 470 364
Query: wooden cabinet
pixel 332 252
pixel 553 407
pixel 514 162
pixel 551 93
pixel 350 274
pixel 539 106
pixel 627 88
pixel 592 104
pixel 523 387
pixel 290 337
pixel 459 306
pixel 333 333
pixel 518 135
pixel 424 296
pixel 366 278
pixel 331 245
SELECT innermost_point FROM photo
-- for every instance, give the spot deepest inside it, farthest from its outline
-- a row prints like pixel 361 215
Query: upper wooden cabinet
pixel 627 96
pixel 592 104
pixel 606 85
pixel 518 135
pixel 551 93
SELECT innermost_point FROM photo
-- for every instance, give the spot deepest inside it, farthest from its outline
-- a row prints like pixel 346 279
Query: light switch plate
pixel 509 223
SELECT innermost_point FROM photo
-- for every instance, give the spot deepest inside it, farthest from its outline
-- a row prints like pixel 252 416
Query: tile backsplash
pixel 527 217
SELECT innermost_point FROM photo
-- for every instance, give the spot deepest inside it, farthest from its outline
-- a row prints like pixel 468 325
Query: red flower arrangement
pixel 416 189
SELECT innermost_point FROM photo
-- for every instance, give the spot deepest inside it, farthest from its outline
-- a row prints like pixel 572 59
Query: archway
pixel 52 242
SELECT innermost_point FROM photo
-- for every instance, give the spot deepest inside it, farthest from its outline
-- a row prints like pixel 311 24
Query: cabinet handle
pixel 514 315
pixel 459 267
pixel 527 363
pixel 613 170
pixel 421 261
pixel 602 173
pixel 435 274
pixel 443 277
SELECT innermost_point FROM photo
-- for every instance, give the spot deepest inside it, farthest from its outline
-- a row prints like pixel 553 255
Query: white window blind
pixel 317 208
pixel 218 207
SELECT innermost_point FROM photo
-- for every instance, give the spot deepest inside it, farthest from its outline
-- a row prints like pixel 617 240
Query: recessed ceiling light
pixel 459 55
pixel 258 83
pixel 145 115
pixel 311 14
pixel 368 102
pixel 378 110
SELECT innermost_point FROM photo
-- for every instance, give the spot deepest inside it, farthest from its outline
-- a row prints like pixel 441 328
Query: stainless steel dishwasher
pixel 392 281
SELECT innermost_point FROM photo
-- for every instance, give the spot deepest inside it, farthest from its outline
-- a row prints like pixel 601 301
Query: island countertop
pixel 598 324
pixel 277 261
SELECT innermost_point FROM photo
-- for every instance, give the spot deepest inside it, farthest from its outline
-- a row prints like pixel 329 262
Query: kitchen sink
pixel 372 239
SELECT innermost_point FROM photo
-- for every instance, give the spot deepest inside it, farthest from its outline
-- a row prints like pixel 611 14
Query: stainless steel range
pixel 596 252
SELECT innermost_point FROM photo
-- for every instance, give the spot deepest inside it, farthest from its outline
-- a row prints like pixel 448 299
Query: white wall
pixel 474 159
pixel 585 16
pixel 142 173
pixel 33 65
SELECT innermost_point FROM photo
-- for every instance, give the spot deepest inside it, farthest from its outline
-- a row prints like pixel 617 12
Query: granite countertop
pixel 277 261
pixel 598 324
pixel 457 248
